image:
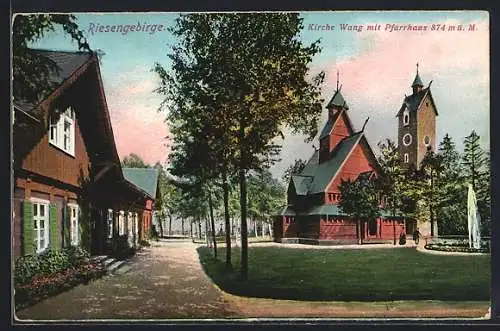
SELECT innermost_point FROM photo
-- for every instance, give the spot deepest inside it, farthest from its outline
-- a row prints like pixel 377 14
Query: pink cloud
pixel 386 69
pixel 148 140
pixel 137 125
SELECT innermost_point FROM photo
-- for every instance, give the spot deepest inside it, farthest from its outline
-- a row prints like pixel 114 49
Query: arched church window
pixel 407 158
pixel 406 117
pixel 427 140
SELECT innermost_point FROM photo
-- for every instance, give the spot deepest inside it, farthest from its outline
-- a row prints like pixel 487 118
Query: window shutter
pixel 80 226
pixel 66 226
pixel 53 226
pixel 28 236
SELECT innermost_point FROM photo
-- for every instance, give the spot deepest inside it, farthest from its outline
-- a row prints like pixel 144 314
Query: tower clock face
pixel 407 139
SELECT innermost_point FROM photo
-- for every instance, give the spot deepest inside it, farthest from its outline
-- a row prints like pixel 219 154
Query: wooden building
pixel 147 180
pixel 312 214
pixel 69 188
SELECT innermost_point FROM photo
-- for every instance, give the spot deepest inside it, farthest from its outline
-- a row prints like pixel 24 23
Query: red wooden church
pixel 312 214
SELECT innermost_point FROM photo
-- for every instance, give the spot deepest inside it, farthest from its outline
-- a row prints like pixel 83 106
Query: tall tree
pixel 266 195
pixel 473 160
pixel 391 182
pixel 134 161
pixel 248 73
pixel 477 172
pixel 452 212
pixel 32 72
pixel 359 200
pixel 431 169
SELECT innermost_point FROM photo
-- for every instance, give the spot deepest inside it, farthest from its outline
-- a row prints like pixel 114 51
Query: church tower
pixel 337 127
pixel 417 124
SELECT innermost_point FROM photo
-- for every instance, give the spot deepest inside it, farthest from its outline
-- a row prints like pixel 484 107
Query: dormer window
pixel 62 131
pixel 406 117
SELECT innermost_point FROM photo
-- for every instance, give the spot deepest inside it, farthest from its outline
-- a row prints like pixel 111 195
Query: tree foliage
pixel 236 80
pixel 134 161
pixel 294 168
pixel 31 72
pixel 359 200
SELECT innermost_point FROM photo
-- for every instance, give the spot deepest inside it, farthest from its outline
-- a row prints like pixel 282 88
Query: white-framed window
pixel 407 158
pixel 41 224
pixel 406 117
pixel 407 139
pixel 110 223
pixel 121 223
pixel 62 131
pixel 74 224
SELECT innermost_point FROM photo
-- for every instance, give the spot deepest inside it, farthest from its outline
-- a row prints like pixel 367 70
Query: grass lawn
pixel 352 275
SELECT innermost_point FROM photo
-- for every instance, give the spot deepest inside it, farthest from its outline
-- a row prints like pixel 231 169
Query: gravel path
pixel 162 281
pixel 166 281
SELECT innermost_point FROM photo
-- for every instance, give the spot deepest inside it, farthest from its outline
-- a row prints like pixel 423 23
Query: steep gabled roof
pixel 413 102
pixel 322 173
pixel 66 62
pixel 144 178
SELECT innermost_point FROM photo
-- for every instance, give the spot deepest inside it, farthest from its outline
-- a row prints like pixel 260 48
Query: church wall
pixel 355 164
pixel 337 228
pixel 289 227
pixel 426 125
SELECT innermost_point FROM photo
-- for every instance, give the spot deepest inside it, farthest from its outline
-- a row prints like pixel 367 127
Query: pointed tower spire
pixel 417 84
pixel 337 79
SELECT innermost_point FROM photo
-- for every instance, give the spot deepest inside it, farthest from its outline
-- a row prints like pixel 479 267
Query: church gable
pixel 360 160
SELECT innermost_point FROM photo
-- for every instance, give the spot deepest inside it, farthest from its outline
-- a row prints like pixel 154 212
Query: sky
pixel 376 68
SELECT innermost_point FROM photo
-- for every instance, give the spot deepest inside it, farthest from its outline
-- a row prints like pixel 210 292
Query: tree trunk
pixel 358 230
pixel 191 229
pixel 431 201
pixel 227 220
pixel 394 230
pixel 244 227
pixel 254 227
pixel 199 228
pixel 270 230
pixel 160 225
pixel 212 222
pixel 169 224
pixel 182 226
pixel 207 238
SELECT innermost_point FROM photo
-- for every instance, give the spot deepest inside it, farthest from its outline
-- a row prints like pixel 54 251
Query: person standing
pixel 416 236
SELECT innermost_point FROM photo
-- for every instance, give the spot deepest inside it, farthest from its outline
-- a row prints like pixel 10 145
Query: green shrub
pixel 26 267
pixel 77 255
pixel 120 247
pixel 48 263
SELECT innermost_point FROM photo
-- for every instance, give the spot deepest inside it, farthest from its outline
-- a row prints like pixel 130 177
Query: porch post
pixel 116 215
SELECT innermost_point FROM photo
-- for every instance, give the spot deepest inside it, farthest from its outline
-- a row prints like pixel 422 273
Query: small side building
pixel 146 179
